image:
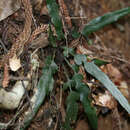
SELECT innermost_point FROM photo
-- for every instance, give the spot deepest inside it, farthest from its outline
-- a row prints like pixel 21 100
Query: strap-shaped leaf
pixel 51 37
pixel 92 69
pixel 68 51
pixel 45 85
pixel 104 20
pixel 72 106
pixel 88 108
pixel 84 92
pixel 99 62
pixel 55 18
pixel 79 58
pixel 72 109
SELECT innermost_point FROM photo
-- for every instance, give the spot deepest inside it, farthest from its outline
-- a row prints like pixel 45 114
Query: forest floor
pixel 112 43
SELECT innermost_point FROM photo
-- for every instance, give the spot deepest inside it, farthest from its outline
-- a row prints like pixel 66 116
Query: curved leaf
pixel 45 85
pixel 72 109
pixel 99 62
pixel 104 20
pixel 68 51
pixel 79 58
pixel 88 108
pixel 92 69
pixel 90 112
pixel 55 18
pixel 52 38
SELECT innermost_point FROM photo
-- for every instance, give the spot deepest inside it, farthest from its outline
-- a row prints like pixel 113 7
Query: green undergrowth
pixel 78 92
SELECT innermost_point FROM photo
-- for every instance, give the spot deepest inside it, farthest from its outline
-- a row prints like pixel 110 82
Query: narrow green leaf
pixel 75 68
pixel 89 110
pixel 73 96
pixel 68 51
pixel 50 64
pixel 77 79
pixel 45 85
pixel 83 90
pixel 99 62
pixel 72 109
pixel 68 84
pixel 66 126
pixel 104 20
pixel 75 82
pixel 75 34
pixel 92 69
pixel 55 18
pixel 79 58
pixel 51 38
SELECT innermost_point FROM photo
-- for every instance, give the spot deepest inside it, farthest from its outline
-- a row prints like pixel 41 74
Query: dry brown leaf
pixel 84 50
pixel 113 72
pixel 65 13
pixel 6 76
pixel 117 77
pixel 105 100
pixel 23 37
pixel 14 63
pixel 124 89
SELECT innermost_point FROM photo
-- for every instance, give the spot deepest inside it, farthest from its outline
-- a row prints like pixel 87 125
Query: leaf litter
pixel 42 77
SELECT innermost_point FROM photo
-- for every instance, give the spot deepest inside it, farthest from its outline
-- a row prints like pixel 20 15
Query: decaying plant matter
pixel 67 66
pixel 23 37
